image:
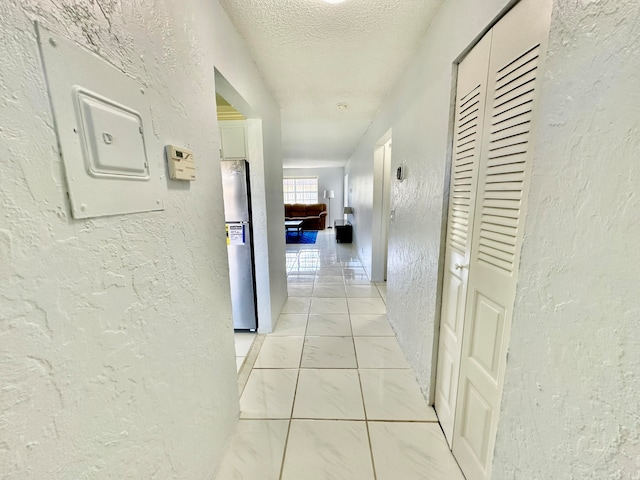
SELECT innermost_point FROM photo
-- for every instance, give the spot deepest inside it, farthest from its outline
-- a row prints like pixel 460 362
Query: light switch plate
pixel 112 162
pixel 182 165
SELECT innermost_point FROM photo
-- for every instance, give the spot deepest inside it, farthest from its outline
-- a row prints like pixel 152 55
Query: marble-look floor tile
pixel 327 450
pixel 350 262
pixel 309 271
pixel 336 325
pixel 243 342
pixel 353 271
pixel 296 279
pixel 308 254
pixel 329 279
pixel 332 290
pixel 379 352
pixel 329 271
pixel 329 439
pixel 366 305
pixel 328 305
pixel 300 290
pixel 362 291
pixel 328 394
pixel 239 362
pixel 329 260
pixel 360 279
pixel 294 324
pixel 331 263
pixel 296 305
pixel 269 394
pixel 280 352
pixel 328 352
pixel 367 325
pixel 255 451
pixel 394 394
pixel 411 451
pixel 305 261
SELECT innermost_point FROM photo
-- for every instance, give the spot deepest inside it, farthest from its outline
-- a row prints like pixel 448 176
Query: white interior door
pixel 518 46
pixel 467 135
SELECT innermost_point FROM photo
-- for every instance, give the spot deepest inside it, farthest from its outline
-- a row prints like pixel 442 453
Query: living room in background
pixel 300 189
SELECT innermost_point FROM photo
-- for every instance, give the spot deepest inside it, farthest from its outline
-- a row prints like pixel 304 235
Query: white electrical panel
pixel 111 136
pixel 182 165
pixel 113 163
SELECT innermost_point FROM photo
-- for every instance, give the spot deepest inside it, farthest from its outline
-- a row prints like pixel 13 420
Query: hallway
pixel 330 395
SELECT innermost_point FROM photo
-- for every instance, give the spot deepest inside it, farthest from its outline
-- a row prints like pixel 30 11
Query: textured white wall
pixel 570 408
pixel 117 353
pixel 418 111
pixel 330 178
pixel 274 211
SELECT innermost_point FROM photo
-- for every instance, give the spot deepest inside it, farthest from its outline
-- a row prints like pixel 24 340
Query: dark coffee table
pixel 293 225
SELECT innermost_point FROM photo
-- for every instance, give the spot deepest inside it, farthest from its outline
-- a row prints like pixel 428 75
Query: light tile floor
pixel 243 341
pixel 330 395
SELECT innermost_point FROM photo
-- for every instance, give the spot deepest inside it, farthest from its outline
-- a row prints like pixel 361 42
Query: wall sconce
pixel 348 211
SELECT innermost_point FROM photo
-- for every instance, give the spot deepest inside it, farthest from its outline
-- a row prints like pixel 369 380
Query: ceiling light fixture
pixel 341 106
pixel 334 1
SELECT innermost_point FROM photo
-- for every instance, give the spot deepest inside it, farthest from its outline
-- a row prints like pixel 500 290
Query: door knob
pixel 460 267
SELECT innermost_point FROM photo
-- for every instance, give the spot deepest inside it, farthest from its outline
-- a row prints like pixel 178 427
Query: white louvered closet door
pixel 518 46
pixel 468 119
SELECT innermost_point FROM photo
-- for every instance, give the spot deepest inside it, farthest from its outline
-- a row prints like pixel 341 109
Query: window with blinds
pixel 300 189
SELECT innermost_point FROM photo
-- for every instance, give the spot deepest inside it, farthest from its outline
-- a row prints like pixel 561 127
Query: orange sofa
pixel 313 215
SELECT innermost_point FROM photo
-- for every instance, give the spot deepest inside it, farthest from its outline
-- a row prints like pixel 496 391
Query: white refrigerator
pixel 237 214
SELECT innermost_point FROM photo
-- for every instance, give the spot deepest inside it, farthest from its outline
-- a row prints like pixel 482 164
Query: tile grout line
pixel 286 442
pixel 366 423
pixel 249 362
pixel 299 372
pixel 364 406
pixel 295 393
pixel 293 456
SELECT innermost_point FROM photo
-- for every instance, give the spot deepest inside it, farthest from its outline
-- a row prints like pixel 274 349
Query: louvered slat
pixel 498 237
pixel 520 111
pixel 506 194
pixel 501 221
pixel 504 176
pixel 504 168
pixel 496 262
pixel 465 154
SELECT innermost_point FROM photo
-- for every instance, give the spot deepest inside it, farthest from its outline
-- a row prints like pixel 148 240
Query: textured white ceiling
pixel 314 55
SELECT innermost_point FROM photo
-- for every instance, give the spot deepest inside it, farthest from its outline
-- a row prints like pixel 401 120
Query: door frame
pixel 535 37
pixel 255 154
pixel 381 207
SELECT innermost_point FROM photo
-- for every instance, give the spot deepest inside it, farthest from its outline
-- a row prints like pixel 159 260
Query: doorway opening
pixel 240 139
pixel 381 208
